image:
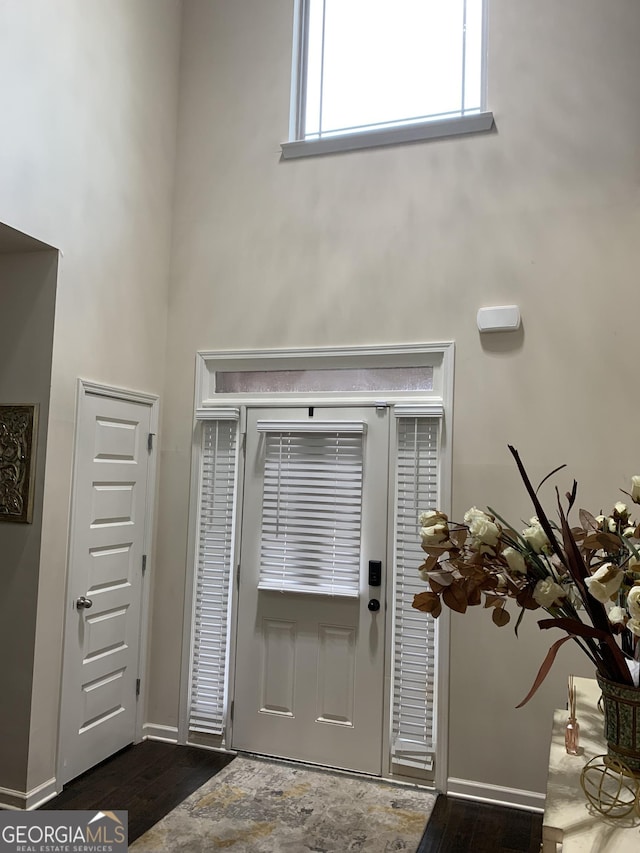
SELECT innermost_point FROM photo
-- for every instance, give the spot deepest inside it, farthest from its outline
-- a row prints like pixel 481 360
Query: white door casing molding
pixel 210 402
pixel 90 394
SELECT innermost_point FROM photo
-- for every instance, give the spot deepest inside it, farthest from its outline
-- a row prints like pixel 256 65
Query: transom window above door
pixel 327 380
pixel 367 71
pixel 385 374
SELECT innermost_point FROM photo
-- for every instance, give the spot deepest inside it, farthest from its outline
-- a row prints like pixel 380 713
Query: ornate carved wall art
pixel 18 426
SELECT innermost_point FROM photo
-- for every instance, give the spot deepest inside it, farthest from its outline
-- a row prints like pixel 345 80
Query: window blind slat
pixel 311 508
pixel 414 634
pixel 215 559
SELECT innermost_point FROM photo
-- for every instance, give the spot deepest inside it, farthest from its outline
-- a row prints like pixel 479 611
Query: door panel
pixel 102 639
pixel 309 668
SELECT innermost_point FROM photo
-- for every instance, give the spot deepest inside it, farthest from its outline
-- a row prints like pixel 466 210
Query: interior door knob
pixel 374 605
pixel 83 603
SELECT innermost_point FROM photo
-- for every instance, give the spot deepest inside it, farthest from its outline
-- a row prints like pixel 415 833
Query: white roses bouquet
pixel 586 577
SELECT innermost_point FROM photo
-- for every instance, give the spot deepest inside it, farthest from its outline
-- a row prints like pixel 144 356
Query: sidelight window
pixel 215 558
pixel 414 635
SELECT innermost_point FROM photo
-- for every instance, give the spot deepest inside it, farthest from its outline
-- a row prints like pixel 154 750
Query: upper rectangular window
pixel 329 380
pixel 368 67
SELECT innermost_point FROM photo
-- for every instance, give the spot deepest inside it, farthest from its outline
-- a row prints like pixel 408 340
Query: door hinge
pixel 238 576
pixel 150 441
pixel 137 687
pixel 144 563
pixel 244 443
pixel 233 706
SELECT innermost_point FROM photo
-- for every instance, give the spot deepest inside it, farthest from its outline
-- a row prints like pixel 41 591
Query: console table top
pixel 570 824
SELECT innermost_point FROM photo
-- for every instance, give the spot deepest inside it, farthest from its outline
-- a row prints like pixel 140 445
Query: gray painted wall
pixel 89 106
pixel 27 307
pixel 402 245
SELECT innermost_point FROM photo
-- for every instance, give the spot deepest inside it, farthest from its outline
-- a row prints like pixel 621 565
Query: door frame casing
pixel 438 355
pixel 84 388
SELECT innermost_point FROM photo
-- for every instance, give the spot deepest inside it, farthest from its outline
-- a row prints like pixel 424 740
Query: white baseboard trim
pixel 496 794
pixel 154 731
pixel 10 799
pixel 25 801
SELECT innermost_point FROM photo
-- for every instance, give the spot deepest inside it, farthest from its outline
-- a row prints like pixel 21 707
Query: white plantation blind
pixel 215 560
pixel 414 632
pixel 311 507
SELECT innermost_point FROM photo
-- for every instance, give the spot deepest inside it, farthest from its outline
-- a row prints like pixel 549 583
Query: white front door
pixel 104 590
pixel 309 674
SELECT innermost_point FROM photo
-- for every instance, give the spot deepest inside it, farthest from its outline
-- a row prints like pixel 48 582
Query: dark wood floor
pixel 151 778
pixel 461 826
pixel 148 780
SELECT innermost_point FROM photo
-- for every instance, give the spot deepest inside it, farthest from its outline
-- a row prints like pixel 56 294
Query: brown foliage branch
pixel 550 566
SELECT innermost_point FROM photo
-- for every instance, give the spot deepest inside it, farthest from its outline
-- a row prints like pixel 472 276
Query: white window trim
pixel 435 128
pixel 209 405
pixel 315 426
pixel 436 355
pixel 227 413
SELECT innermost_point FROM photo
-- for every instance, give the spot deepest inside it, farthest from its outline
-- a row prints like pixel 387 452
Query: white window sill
pixel 477 123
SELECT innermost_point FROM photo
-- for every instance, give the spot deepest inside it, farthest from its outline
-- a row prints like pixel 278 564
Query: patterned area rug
pixel 256 806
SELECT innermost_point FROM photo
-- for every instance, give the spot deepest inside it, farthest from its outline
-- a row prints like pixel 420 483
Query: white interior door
pixel 309 675
pixel 104 591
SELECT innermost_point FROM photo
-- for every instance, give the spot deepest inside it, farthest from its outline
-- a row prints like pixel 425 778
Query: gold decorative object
pixel 610 787
pixel 18 426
